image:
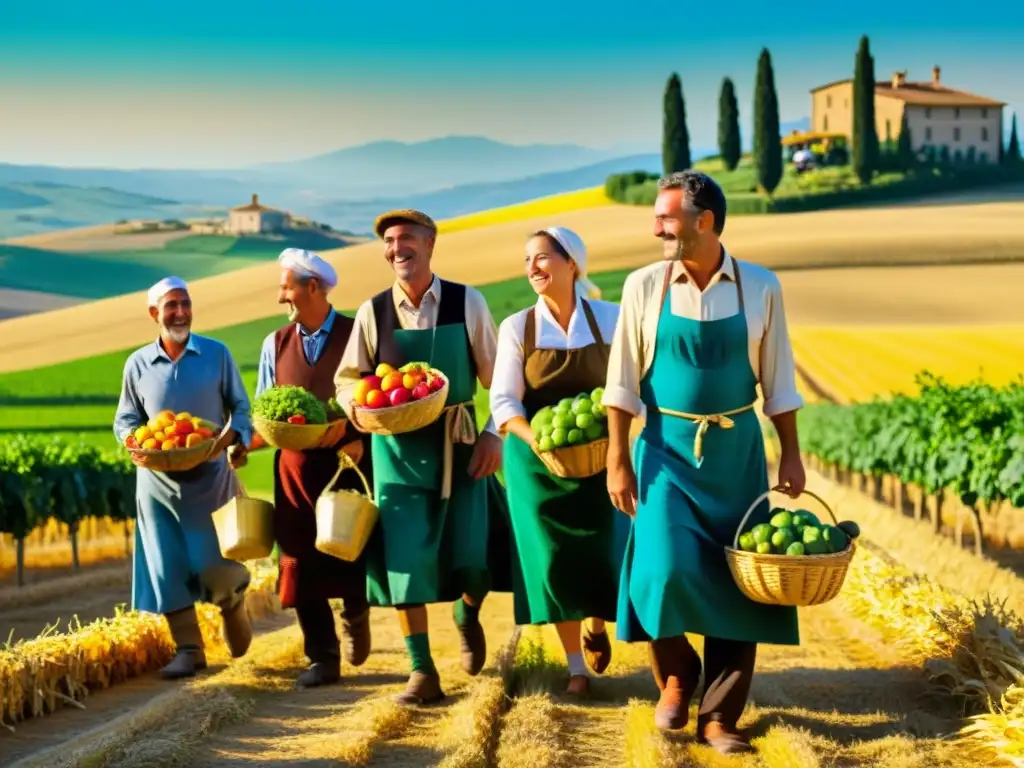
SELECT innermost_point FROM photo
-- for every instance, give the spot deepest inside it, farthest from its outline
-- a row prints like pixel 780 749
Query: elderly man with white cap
pixel 441 507
pixel 569 538
pixel 177 559
pixel 306 353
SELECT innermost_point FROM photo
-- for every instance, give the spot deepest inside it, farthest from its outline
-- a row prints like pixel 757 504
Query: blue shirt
pixel 313 345
pixel 204 381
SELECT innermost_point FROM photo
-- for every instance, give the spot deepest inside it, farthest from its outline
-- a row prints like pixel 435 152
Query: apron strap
pixel 459 427
pixel 704 421
pixel 739 286
pixel 530 333
pixel 595 330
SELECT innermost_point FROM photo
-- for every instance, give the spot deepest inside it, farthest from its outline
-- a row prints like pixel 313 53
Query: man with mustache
pixel 431 543
pixel 177 559
pixel 306 353
pixel 697 333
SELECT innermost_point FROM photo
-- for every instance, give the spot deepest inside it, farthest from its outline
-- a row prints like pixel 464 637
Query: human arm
pixel 130 414
pixel 236 406
pixel 508 386
pixel 266 376
pixel 483 341
pixel 357 359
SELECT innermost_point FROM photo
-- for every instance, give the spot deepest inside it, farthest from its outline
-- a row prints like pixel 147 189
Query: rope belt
pixel 704 422
pixel 459 427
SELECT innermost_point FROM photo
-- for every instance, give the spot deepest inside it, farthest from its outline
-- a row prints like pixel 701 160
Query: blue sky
pixel 225 83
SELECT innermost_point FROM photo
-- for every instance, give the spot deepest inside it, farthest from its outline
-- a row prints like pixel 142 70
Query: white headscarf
pixel 573 245
pixel 165 286
pixel 308 264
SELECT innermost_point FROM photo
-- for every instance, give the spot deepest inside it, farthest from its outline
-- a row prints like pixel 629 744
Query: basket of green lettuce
pixel 294 419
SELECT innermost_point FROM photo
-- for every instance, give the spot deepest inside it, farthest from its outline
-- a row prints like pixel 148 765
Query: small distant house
pixel 256 218
pixel 936 114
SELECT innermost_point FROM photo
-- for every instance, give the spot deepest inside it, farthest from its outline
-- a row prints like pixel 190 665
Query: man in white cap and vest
pixel 306 353
pixel 177 559
pixel 434 487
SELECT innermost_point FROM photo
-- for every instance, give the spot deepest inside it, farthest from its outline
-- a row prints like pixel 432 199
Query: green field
pixel 80 397
pixel 101 274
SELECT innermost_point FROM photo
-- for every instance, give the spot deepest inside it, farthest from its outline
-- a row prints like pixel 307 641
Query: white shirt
pixel 362 344
pixel 509 384
pixel 768 344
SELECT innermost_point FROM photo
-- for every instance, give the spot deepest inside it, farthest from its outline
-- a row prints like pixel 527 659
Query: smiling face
pixel 296 294
pixel 173 314
pixel 548 271
pixel 408 248
pixel 680 224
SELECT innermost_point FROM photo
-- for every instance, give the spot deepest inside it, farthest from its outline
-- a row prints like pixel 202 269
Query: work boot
pixel 319 674
pixel 355 638
pixel 422 689
pixel 188 642
pixel 723 738
pixel 237 627
pixel 471 634
pixel 579 686
pixel 186 662
pixel 597 650
pixel 676 669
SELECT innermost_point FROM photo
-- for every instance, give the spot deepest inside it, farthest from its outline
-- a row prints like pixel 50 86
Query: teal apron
pixel 426 549
pixel 565 529
pixel 675 579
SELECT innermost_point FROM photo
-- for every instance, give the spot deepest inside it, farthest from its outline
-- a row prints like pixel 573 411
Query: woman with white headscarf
pixel 569 548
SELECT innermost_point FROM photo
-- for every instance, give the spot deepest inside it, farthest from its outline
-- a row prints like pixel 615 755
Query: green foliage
pixel 865 134
pixel 280 403
pixel 1012 157
pixel 767 139
pixel 729 126
pixel 904 146
pixel 42 478
pixel 675 142
pixel 969 439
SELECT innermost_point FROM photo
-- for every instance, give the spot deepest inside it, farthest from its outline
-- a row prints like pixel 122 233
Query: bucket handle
pixel 345 462
pixel 765 495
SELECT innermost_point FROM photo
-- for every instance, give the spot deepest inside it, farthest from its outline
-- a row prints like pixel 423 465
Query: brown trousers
pixel 728 671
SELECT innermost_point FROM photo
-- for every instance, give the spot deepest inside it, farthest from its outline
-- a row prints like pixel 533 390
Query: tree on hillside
pixel 675 142
pixel 729 126
pixel 904 146
pixel 1012 155
pixel 865 134
pixel 767 140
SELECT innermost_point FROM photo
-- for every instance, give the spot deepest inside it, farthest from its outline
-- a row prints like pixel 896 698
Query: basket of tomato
pixel 392 401
pixel 294 419
pixel 174 442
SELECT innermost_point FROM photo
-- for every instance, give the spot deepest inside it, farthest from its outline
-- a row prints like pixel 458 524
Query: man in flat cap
pixel 433 486
pixel 177 559
pixel 306 353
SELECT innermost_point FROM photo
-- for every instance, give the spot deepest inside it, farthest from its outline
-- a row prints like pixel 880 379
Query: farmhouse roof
pixel 923 94
pixel 255 205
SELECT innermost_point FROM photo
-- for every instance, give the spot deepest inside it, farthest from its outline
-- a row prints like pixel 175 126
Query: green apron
pixel 675 579
pixel 426 549
pixel 564 529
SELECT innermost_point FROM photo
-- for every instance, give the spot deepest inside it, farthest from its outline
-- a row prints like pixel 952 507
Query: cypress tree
pixel 729 126
pixel 1012 155
pixel 904 146
pixel 767 141
pixel 865 134
pixel 675 142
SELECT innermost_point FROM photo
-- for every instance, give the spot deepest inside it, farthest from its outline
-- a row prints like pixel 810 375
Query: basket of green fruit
pixel 792 559
pixel 571 438
pixel 293 419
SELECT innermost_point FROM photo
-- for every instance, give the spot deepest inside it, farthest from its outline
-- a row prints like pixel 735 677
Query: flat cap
pixel 407 215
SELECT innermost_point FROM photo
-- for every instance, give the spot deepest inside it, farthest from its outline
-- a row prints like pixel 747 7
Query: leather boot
pixel 676 668
pixel 723 738
pixel 422 689
pixel 473 643
pixel 237 627
pixel 188 641
pixel 319 673
pixel 597 650
pixel 355 637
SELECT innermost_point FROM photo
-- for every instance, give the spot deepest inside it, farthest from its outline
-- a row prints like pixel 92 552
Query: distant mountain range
pixel 447 176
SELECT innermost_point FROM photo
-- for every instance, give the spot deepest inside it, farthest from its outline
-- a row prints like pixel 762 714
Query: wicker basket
pixel 245 527
pixel 788 580
pixel 576 461
pixel 178 459
pixel 345 519
pixel 397 419
pixel 299 437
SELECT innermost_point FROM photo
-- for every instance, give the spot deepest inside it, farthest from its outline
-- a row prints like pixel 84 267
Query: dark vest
pixel 293 368
pixel 452 311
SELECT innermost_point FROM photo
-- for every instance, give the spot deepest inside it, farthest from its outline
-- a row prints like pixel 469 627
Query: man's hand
pixel 238 456
pixel 140 460
pixel 486 456
pixel 622 485
pixel 792 479
pixel 354 450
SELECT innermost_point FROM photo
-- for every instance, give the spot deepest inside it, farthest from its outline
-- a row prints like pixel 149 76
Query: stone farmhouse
pixel 968 124
pixel 256 218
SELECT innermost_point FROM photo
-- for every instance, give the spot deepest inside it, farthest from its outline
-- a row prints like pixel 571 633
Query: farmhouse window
pixel 956 134
pixel 828 101
pixel 984 133
pixel 928 133
pixel 984 113
pixel 956 112
pixel 927 111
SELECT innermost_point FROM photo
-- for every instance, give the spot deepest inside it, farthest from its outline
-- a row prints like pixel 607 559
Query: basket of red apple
pixel 392 401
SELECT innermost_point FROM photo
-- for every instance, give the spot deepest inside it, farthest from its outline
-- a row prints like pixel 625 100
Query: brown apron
pixel 304 573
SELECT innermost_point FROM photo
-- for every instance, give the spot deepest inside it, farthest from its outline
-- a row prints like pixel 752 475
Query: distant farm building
pixel 937 116
pixel 256 218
